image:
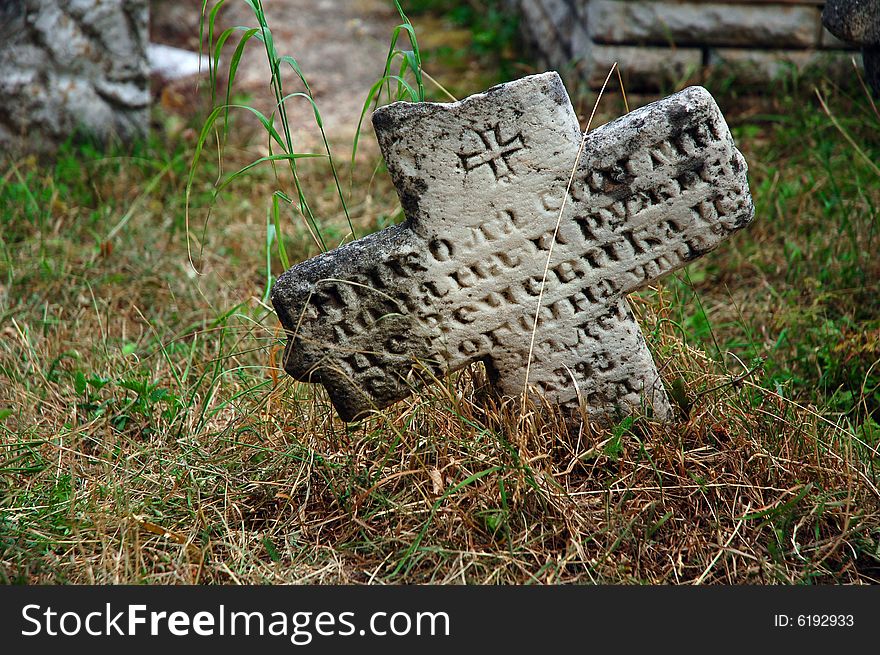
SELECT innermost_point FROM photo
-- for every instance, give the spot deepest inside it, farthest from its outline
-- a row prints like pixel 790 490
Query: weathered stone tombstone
pixel 72 64
pixel 482 183
pixel 858 21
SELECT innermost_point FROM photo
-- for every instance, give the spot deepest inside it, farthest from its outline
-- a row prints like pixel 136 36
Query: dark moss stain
pixel 688 165
pixel 679 116
pixel 736 164
pixel 382 121
pixel 557 91
pixel 495 90
pixel 636 123
pixel 411 191
pixel 694 252
pixel 745 218
pixel 621 191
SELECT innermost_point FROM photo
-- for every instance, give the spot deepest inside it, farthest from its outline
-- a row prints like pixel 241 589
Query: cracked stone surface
pixel 67 64
pixel 483 183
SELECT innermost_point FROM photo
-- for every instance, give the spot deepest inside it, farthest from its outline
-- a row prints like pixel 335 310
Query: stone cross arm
pixel 493 230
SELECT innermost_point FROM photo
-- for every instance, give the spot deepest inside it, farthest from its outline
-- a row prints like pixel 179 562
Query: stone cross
pixel 482 183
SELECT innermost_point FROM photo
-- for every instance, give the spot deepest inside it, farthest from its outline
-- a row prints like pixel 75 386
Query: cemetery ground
pixel 149 435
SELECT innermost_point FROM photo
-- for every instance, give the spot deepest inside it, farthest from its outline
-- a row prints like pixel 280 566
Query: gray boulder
pixel 68 65
pixel 858 21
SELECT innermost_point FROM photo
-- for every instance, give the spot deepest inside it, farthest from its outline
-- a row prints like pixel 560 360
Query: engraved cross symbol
pixel 495 153
pixel 461 279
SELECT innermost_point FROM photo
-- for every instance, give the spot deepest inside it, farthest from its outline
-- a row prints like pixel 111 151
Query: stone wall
pixel 658 42
pixel 72 64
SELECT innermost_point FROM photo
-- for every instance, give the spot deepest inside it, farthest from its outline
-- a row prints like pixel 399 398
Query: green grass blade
pixel 320 123
pixel 407 556
pixel 262 160
pixel 417 71
pixel 374 91
pixel 779 509
pixel 276 218
pixel 233 69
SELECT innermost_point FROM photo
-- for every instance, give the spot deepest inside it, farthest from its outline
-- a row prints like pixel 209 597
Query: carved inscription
pixel 495 152
pixel 461 280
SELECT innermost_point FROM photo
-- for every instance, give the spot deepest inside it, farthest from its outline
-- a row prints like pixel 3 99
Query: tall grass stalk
pixel 277 125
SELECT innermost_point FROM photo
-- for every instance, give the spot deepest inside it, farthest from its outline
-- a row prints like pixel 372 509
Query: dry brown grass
pixel 255 480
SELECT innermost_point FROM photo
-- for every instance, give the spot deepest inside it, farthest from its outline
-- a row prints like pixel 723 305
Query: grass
pixel 147 434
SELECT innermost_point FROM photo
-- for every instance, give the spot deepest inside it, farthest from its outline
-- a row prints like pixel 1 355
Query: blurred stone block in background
pixel 658 43
pixel 170 63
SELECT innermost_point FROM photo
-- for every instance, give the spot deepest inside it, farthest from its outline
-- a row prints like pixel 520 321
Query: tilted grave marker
pixel 482 183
